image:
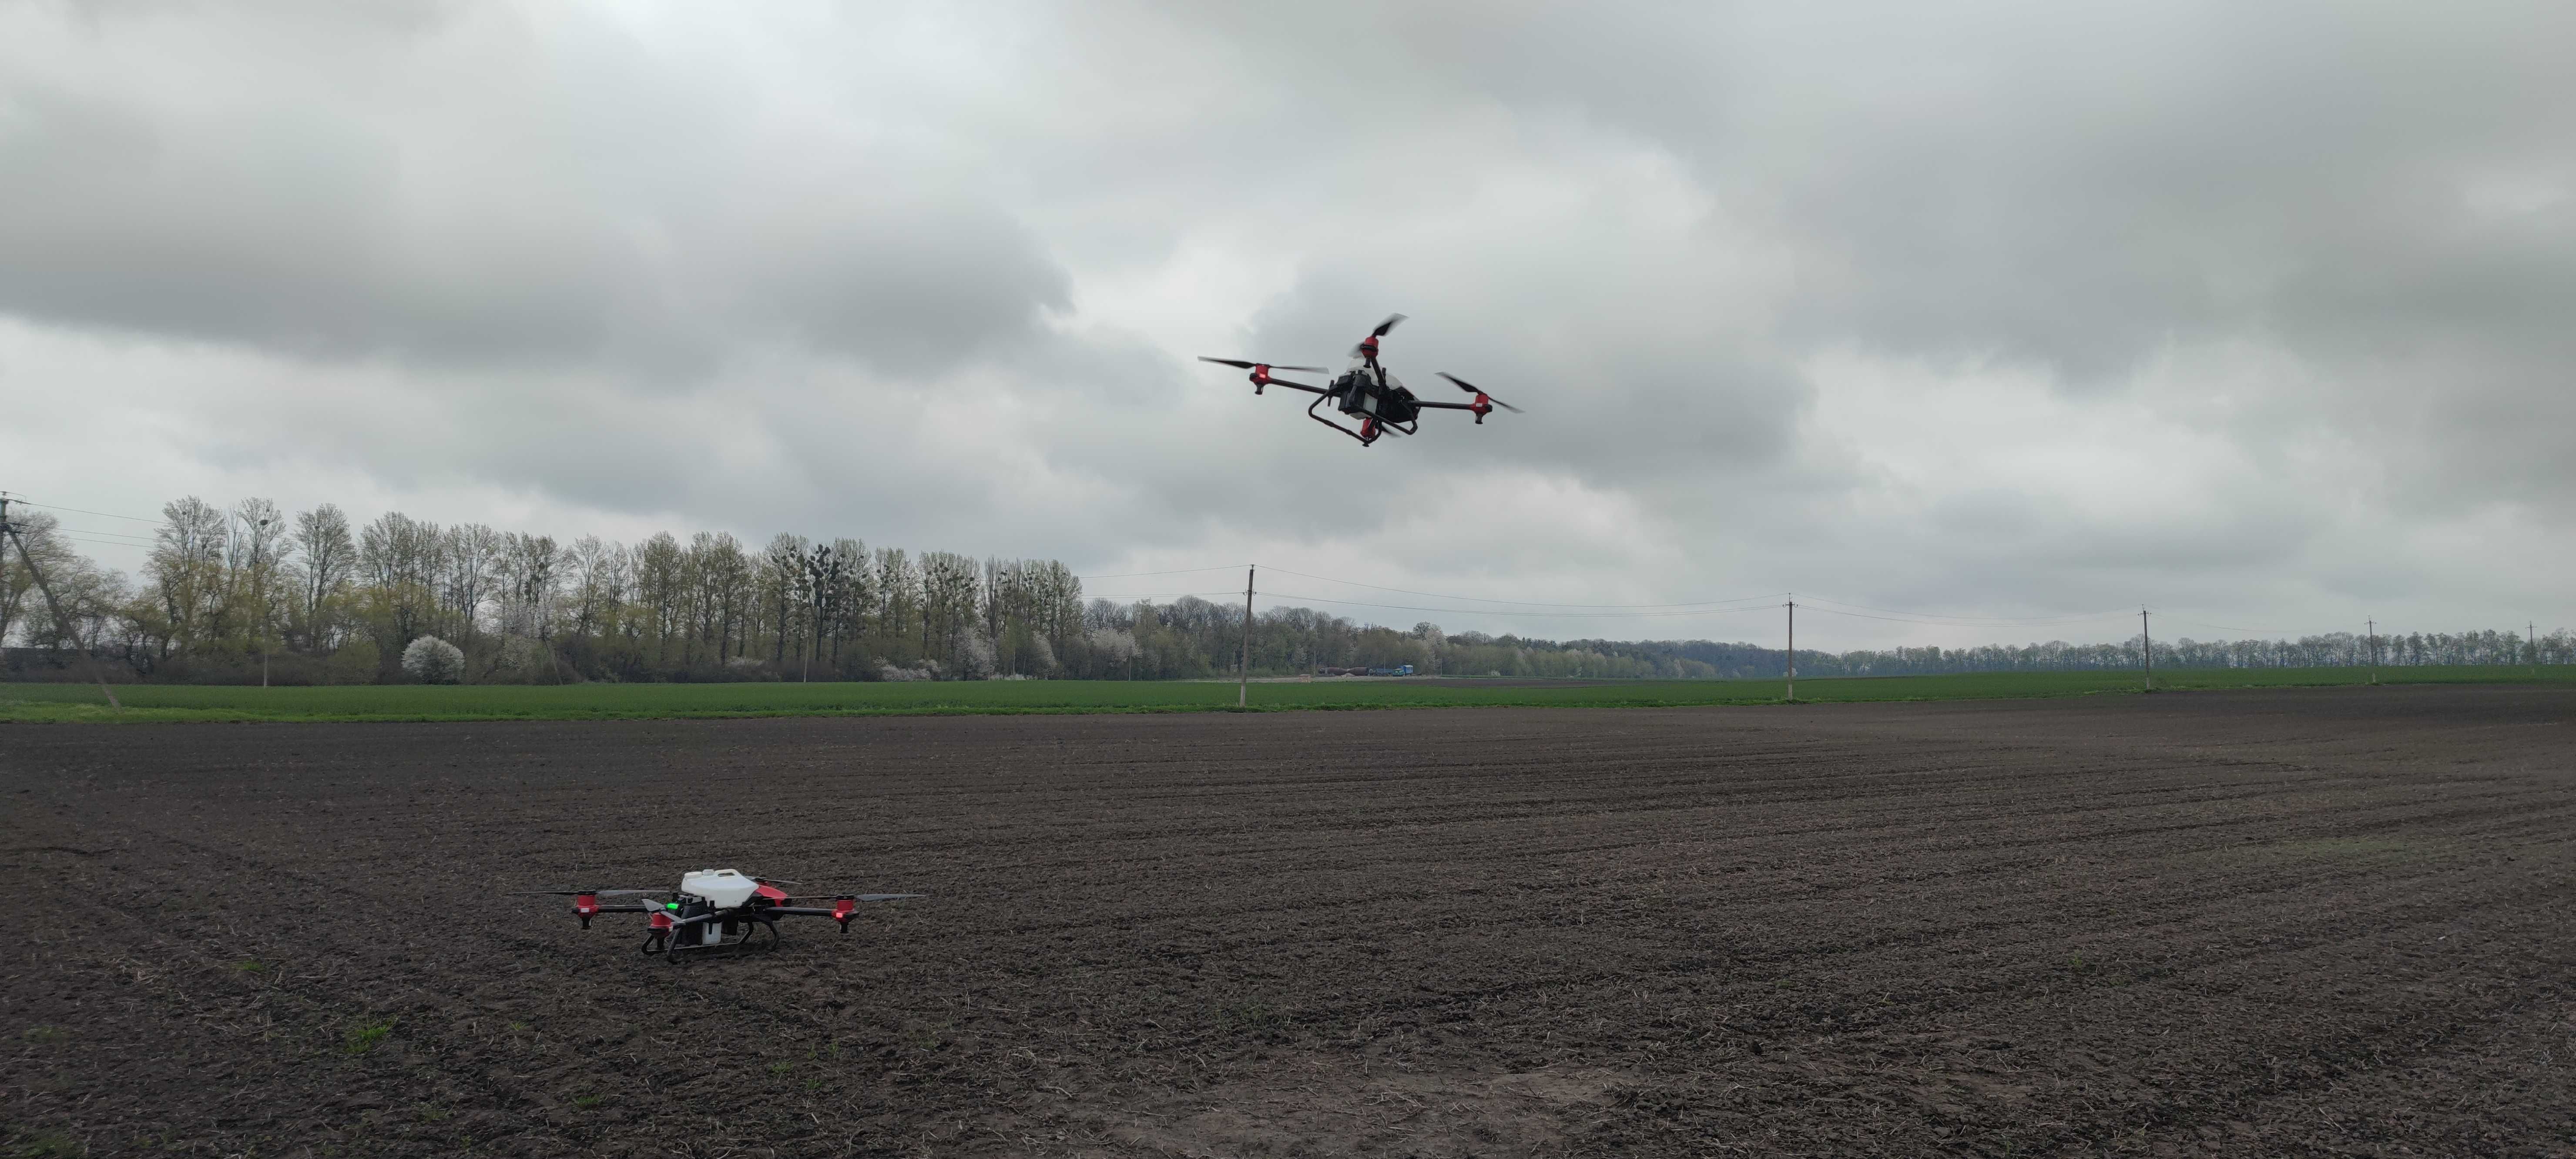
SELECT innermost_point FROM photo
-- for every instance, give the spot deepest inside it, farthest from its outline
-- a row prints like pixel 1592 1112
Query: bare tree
pixel 472 556
pixel 782 578
pixel 898 592
pixel 948 602
pixel 186 572
pixel 598 586
pixel 400 558
pixel 255 585
pixel 661 580
pixel 725 574
pixel 530 569
pixel 329 555
pixel 18 579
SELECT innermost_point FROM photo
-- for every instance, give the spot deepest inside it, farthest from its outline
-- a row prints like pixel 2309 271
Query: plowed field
pixel 2289 922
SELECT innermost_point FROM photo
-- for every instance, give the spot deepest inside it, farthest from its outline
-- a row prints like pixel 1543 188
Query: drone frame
pixel 758 914
pixel 1371 426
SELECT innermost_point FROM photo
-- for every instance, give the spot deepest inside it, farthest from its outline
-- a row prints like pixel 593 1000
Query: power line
pixel 1937 621
pixel 1522 603
pixel 86 511
pixel 1182 571
pixel 1943 624
pixel 96 542
pixel 1421 608
pixel 95 531
pixel 1543 615
pixel 2248 631
pixel 1978 621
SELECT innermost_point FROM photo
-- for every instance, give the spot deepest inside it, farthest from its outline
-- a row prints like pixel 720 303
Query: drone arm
pixel 837 909
pixel 843 908
pixel 1295 386
pixel 631 907
pixel 1480 408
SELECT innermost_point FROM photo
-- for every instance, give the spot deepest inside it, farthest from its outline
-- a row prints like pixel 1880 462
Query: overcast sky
pixel 2263 315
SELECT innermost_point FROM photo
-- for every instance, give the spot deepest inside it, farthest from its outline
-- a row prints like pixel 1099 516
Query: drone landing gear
pixel 743 936
pixel 1369 429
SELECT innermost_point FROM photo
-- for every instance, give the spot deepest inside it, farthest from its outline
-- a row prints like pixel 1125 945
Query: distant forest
pixel 227 594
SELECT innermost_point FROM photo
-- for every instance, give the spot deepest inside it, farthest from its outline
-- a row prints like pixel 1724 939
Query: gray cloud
pixel 2000 307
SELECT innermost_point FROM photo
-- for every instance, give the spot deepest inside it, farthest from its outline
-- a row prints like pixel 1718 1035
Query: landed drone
pixel 713 910
pixel 1367 392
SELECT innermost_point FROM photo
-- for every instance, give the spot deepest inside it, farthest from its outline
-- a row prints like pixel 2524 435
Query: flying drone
pixel 713 910
pixel 1367 392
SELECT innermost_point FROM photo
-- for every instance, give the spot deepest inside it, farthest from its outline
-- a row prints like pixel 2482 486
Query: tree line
pixel 247 593
pixel 226 594
pixel 2329 650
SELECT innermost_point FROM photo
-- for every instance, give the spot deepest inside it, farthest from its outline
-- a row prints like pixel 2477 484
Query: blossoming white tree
pixel 431 660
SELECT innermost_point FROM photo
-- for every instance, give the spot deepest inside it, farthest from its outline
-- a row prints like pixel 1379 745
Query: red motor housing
pixel 584 905
pixel 844 908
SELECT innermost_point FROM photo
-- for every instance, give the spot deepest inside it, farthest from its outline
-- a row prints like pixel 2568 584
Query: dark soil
pixel 2290 923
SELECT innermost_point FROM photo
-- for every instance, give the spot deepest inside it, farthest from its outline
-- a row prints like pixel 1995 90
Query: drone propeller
pixel 591 892
pixel 885 896
pixel 1239 364
pixel 1462 384
pixel 1368 345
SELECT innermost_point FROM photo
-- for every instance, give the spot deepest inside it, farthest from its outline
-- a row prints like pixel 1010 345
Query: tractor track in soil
pixel 2277 922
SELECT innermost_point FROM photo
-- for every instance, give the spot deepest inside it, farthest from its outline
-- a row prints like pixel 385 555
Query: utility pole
pixel 1791 692
pixel 2374 649
pixel 62 623
pixel 2148 652
pixel 2531 637
pixel 1243 690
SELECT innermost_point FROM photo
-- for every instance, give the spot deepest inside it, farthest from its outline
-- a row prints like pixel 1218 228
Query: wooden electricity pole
pixel 1243 689
pixel 2531 635
pixel 2373 625
pixel 1791 691
pixel 2148 652
pixel 62 623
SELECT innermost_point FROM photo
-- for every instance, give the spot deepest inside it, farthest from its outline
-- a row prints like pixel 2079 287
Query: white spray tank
pixel 721 888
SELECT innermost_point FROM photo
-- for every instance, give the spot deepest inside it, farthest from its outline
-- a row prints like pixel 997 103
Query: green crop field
pixel 167 702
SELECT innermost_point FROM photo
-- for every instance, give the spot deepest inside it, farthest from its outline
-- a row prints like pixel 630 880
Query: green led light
pixel 670 905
